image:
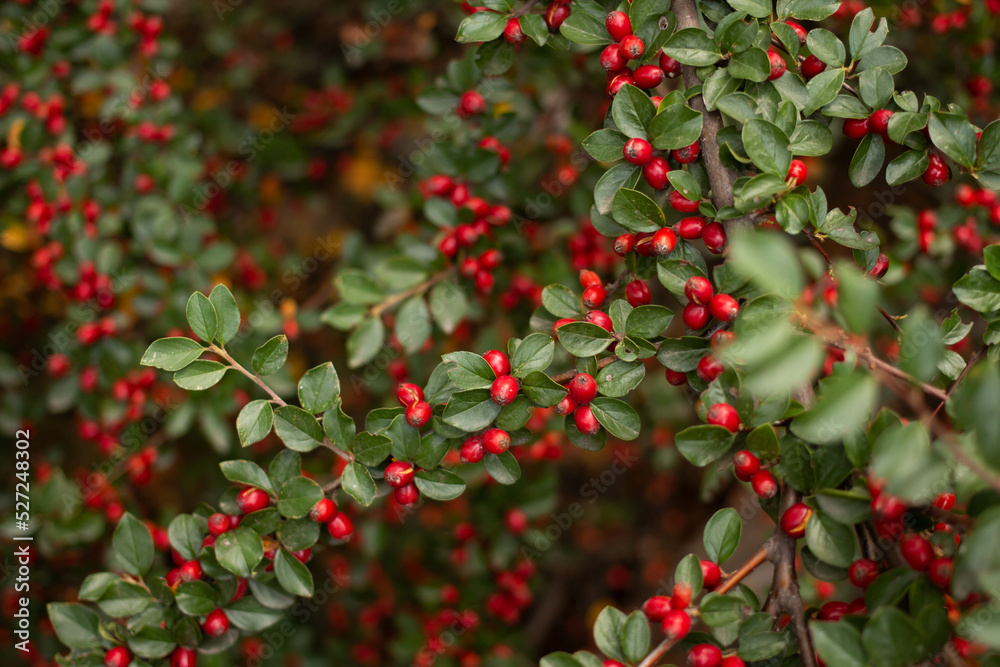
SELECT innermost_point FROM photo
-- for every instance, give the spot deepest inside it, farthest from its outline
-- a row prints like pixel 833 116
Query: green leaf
pixel 978 290
pixel 619 378
pixel 358 482
pixel 862 39
pixel 845 403
pixel 906 167
pixel 270 357
pixel 620 176
pixel 319 388
pixel 297 496
pixel 254 422
pixel 584 28
pixel 439 484
pixel 246 472
pixel 358 287
pixel 676 126
pixel 285 465
pixel 838 644
pixel 196 598
pixel 171 354
pixel 448 305
pixel 704 444
pixel 750 65
pixel 692 46
pixel 988 153
pixel 867 161
pixel 689 571
pixel 760 9
pixel 132 546
pixel 827 47
pixel 583 339
pixel 292 574
pixel 413 324
pixel 405 439
pixel 807 10
pixel 769 261
pixel 605 145
pixel 239 551
pixel 635 637
pixel 365 342
pixel 888 639
pixel 954 135
pixel 823 89
pixel 856 297
pixel 297 428
pixel 632 110
pixel 535 353
pixel 846 507
pixel 227 311
pixel 533 25
pixel 469 370
pixel 371 449
pixel 471 410
pixel 503 468
pixel 722 535
pixel 560 659
pixel 542 390
pixel 682 354
pixel 636 212
pixel 561 301
pixel 201 317
pixel 648 321
pixel 973 406
pixel 608 633
pixel 811 138
pixel 481 27
pixel 619 418
pixel 76 626
pixel 338 427
pixel 767 145
pixel 831 542
pixel 249 615
pixel 200 375
pixel 185 535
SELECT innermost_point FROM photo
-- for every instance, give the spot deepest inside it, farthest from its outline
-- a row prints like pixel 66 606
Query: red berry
pixel 881 266
pixel 676 378
pixel 725 415
pixel 218 524
pixel 937 172
pixel 503 390
pixel 704 655
pixel 559 323
pixel 723 307
pixel 793 521
pixel 745 465
pixel 714 236
pixel 764 484
pixel 117 657
pixel 512 31
pixel 709 368
pixel 184 657
pixel 698 289
pixel 691 228
pixel 695 316
pixel 811 67
pixel 471 103
pixel 637 151
pixel 612 58
pixel 398 473
pixel 252 499
pixel 676 624
pixel 856 128
pixel 733 661
pixel 721 339
pixel 664 241
pixel 407 495
pixel 593 297
pixel 862 572
pixel 833 611
pixel 496 441
pixel 555 14
pixel 965 196
pixel 323 511
pixel 599 318
pixel 671 68
pixel 624 244
pixel 638 293
pixel 888 508
pixel 682 204
pixel 408 394
pixel 879 121
pixel 655 173
pixel 619 26
pixel 916 551
pixel 190 571
pixel 472 450
pixel 688 154
pixel 341 527
pixel 778 65
pixel 566 406
pixel 498 361
pixel 647 76
pixel 585 420
pixel 582 388
pixel 657 607
pixel 944 501
pixel 797 172
pixel 516 521
pixel 711 575
pixel 216 623
pixel 418 414
pixel 632 47
pixel 644 244
pixel 590 279
pixel 799 30
pixel 939 572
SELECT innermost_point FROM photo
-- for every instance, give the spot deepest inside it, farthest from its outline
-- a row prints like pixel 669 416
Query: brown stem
pixel 565 377
pixel 958 380
pixel 785 585
pixel 890 319
pixel 736 577
pixel 720 177
pixel 395 299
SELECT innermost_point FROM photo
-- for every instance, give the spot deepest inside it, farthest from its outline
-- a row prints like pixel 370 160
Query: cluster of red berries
pixel 337 523
pixel 589 248
pixel 513 594
pixel 664 240
pixel 628 46
pixel 521 288
pixel 399 475
pixel 418 411
pixel 581 390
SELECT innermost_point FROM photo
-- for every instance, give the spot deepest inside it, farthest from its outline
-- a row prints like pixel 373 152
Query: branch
pixel 720 177
pixel 395 299
pixel 958 380
pixel 785 585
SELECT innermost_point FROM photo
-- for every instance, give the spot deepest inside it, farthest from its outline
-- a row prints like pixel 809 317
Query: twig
pixel 658 652
pixel 565 377
pixel 890 318
pixel 525 8
pixel 958 380
pixel 785 585
pixel 720 178
pixel 736 577
pixel 395 299
pixel 330 486
pixel 611 288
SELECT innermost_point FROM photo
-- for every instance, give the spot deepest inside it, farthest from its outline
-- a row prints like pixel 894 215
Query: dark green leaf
pixel 171 354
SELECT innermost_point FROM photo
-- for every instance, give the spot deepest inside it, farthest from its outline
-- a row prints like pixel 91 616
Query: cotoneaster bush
pixel 826 354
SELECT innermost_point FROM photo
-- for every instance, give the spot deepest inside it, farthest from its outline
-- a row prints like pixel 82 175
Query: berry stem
pixel 755 561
